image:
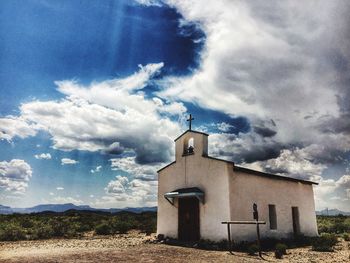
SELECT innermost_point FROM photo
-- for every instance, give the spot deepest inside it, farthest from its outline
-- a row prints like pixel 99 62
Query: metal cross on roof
pixel 190 119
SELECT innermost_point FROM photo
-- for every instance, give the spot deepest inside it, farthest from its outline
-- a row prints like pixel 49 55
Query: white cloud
pixel 66 161
pixel 15 126
pixel 51 193
pixel 112 116
pixel 59 188
pixel 128 164
pixel 139 189
pixel 294 163
pixel 65 200
pixel 333 193
pixel 253 50
pixel 14 176
pixel 284 66
pixel 264 61
pixel 117 186
pixel 243 147
pixel 123 192
pixel 224 127
pixel 96 170
pixel 150 2
pixel 344 182
pixel 45 156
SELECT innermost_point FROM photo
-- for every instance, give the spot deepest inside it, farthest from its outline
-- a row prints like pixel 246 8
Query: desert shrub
pixel 206 244
pixel 121 227
pixel 346 236
pixel 223 244
pixel 252 249
pixel 333 224
pixel 278 254
pixel 12 232
pixel 71 231
pixel 148 227
pixel 131 219
pixel 79 227
pixel 103 229
pixel 59 228
pixel 269 243
pixel 42 231
pixel 281 248
pixel 72 224
pixel 27 223
pixel 301 240
pixel 325 242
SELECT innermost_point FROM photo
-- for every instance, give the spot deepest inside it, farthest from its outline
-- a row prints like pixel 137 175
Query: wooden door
pixel 188 228
pixel 296 223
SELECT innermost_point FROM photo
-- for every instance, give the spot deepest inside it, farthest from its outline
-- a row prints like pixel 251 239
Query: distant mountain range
pixel 332 212
pixel 69 206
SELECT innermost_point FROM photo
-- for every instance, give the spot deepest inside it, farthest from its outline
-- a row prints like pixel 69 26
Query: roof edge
pixel 217 159
pixel 166 166
pixel 203 133
pixel 273 176
pixel 250 171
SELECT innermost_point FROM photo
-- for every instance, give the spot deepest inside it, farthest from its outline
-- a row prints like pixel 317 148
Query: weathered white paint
pixel 229 195
pixel 246 189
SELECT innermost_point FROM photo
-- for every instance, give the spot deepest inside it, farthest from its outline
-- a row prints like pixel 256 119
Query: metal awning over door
pixel 183 193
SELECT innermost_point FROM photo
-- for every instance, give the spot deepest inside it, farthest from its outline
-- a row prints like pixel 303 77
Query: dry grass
pixel 133 247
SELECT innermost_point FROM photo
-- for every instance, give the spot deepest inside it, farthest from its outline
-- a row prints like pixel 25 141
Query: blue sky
pixel 94 92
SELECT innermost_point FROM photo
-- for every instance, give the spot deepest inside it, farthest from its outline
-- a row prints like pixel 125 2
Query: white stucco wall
pixel 211 176
pixel 246 189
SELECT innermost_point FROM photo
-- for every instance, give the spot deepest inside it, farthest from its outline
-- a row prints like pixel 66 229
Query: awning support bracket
pixel 170 199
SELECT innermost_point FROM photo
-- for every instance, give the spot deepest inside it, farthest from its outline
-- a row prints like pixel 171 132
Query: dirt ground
pixel 135 248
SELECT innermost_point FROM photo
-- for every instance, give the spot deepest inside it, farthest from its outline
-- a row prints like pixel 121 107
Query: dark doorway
pixel 188 219
pixel 296 223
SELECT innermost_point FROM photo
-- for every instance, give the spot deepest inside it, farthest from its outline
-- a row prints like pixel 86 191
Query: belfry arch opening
pixel 189 146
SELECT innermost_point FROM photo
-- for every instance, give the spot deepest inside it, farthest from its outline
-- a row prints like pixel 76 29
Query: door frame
pixel 195 236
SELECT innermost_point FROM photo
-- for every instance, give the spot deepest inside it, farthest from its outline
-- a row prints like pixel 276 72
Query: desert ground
pixel 136 247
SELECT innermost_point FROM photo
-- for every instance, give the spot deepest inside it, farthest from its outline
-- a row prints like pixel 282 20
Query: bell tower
pixel 191 143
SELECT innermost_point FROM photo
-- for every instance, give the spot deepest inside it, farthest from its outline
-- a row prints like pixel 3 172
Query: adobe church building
pixel 197 192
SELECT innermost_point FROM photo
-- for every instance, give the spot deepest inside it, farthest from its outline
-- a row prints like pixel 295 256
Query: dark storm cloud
pixel 340 124
pixel 245 148
pixel 264 131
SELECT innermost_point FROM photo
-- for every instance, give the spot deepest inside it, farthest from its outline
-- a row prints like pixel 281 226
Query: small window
pixel 272 217
pixel 296 223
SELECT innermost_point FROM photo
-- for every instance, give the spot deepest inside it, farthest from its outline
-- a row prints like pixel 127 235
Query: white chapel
pixel 197 192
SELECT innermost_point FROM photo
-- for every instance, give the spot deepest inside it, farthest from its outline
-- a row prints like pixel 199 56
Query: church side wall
pixel 246 189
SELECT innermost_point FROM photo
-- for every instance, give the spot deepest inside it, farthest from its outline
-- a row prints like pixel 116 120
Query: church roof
pixel 190 131
pixel 166 166
pixel 273 176
pixel 254 172
pixel 250 171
